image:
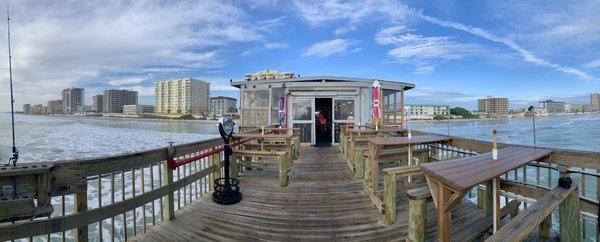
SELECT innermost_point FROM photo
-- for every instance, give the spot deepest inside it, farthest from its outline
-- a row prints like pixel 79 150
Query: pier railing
pixel 113 198
pixel 525 184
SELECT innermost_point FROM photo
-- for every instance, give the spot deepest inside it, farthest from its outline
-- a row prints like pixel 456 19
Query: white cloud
pixel 351 13
pixel 265 46
pixel 525 54
pixel 127 81
pixel 62 44
pixel 417 49
pixel 275 45
pixel 424 70
pixel 593 64
pixel 331 47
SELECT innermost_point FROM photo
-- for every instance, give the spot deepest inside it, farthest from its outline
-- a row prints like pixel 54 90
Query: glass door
pixel 343 113
pixel 303 117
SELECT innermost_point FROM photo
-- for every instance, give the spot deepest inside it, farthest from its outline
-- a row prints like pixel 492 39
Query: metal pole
pixel 448 120
pixel 534 138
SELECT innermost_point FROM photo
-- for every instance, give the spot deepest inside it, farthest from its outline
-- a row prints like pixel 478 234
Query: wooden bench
pixel 284 158
pixel 529 220
pixel 417 219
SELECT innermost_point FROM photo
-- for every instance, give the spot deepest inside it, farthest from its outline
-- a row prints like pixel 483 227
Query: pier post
pixel 81 233
pixel 417 213
pixel 169 201
pixel 389 198
pixel 283 173
pixel 570 213
pixel 359 164
pixel 484 198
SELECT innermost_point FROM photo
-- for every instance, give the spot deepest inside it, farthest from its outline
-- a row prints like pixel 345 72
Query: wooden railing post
pixel 424 156
pixel 169 200
pixel 367 168
pixel 570 213
pixel 484 198
pixel 81 233
pixel 359 164
pixel 389 198
pixel 283 173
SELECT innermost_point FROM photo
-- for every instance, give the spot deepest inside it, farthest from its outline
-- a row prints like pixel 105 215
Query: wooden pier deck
pixel 322 202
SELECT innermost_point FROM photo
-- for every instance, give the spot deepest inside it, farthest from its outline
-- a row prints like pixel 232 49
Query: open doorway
pixel 323 122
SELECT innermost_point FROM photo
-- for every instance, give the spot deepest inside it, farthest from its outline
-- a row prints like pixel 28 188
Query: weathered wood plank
pixel 528 220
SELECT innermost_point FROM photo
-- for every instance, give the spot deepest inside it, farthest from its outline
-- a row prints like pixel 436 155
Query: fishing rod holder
pixel 226 189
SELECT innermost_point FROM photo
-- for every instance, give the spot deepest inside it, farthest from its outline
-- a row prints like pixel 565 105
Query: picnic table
pixel 449 180
pixel 359 135
pixel 377 145
pixel 275 145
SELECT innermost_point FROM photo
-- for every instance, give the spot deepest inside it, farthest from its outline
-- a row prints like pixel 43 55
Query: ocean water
pixel 581 132
pixel 43 138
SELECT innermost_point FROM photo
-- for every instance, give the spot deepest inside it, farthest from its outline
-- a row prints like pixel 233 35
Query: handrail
pixel 146 178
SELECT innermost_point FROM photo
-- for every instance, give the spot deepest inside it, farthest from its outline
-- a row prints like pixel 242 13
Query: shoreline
pixel 127 118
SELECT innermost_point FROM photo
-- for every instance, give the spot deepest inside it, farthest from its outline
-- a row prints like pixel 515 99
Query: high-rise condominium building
pixel 98 103
pixel 181 96
pixel 595 100
pixel 268 74
pixel 27 108
pixel 553 106
pixel 221 105
pixel 72 100
pixel 493 105
pixel 55 106
pixel 114 100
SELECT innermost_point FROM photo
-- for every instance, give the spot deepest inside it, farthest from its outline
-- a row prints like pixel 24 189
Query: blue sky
pixel 454 51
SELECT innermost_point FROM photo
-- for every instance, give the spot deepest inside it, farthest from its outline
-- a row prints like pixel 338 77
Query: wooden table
pixel 376 145
pixel 449 180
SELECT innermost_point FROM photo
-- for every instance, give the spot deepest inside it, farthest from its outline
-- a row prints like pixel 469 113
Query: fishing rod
pixel 15 152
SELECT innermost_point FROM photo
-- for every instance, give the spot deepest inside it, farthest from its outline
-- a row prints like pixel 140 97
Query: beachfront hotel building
pixel 114 100
pixel 218 106
pixel 72 100
pixel 268 75
pixel 553 106
pixel 493 105
pixel 181 96
pixel 342 100
pixel 419 111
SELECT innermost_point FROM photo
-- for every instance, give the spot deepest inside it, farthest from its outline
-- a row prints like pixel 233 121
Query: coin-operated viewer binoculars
pixel 227 190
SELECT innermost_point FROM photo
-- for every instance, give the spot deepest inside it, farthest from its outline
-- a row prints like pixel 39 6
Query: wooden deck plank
pixel 322 202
